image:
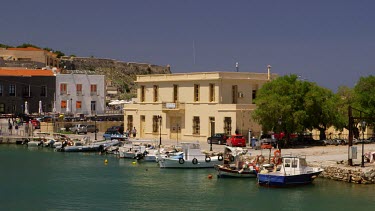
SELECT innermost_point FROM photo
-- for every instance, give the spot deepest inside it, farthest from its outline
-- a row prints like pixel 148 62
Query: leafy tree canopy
pixel 365 95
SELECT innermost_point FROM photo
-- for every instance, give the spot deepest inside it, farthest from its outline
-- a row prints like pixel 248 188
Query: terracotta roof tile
pixel 25 72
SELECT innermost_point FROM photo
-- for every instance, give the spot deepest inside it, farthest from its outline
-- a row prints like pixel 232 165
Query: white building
pixel 80 94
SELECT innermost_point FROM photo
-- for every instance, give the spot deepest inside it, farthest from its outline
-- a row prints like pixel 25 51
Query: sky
pixel 327 42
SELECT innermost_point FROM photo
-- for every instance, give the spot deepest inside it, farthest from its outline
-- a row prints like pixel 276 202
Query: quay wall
pixel 349 174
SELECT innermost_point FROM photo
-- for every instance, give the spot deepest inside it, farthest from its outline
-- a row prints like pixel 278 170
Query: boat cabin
pixel 292 165
pixel 192 150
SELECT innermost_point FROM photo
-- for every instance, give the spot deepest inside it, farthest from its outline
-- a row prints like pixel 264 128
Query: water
pixel 41 179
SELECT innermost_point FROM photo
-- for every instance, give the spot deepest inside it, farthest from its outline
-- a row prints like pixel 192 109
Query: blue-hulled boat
pixel 292 171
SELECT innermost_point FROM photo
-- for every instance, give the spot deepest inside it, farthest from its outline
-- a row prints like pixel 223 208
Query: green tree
pixel 365 96
pixel 25 45
pixel 5 46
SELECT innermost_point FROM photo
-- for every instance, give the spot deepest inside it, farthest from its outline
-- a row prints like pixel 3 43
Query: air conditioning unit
pixel 240 95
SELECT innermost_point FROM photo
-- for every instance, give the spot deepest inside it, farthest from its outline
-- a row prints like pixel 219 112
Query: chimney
pixel 269 72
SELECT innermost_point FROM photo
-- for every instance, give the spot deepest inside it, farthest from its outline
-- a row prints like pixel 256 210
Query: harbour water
pixel 41 179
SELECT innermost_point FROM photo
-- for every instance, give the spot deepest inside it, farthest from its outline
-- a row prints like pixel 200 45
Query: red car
pixel 236 141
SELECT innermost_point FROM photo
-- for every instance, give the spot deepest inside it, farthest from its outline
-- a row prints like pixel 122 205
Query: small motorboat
pixel 190 157
pixel 133 151
pixel 288 171
pixel 236 163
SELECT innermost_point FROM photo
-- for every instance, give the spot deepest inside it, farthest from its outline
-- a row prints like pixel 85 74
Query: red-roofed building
pixel 18 86
pixel 29 54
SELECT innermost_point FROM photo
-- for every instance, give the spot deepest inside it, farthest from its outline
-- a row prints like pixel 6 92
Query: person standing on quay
pixel 134 132
pixel 10 127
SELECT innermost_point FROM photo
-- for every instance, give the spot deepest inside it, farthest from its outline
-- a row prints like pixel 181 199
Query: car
pixel 119 129
pixel 218 138
pixel 79 128
pixel 107 135
pixel 35 123
pixel 91 128
pixel 236 141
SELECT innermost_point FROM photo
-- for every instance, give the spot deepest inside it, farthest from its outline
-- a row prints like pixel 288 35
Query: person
pixel 10 127
pixel 134 132
pixel 16 127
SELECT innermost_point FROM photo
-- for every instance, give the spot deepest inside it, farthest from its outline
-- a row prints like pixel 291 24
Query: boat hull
pixel 223 172
pixel 279 180
pixel 177 163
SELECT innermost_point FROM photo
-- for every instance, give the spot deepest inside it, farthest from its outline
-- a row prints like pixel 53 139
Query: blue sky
pixel 327 42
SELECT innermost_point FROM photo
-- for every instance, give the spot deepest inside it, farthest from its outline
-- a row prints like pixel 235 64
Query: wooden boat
pixel 292 171
pixel 236 163
pixel 190 157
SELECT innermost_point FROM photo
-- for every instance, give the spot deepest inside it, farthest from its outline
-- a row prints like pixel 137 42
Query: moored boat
pixel 190 157
pixel 292 171
pixel 236 163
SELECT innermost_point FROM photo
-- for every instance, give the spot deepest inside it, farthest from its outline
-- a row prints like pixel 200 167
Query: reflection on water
pixel 46 180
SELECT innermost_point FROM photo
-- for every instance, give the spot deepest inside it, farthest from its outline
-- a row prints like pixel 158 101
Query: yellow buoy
pixel 105 161
pixel 134 162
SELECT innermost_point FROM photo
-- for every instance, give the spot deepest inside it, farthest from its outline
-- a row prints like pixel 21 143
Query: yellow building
pixel 30 54
pixel 191 106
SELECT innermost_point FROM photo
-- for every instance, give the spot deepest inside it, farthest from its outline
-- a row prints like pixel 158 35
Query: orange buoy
pixel 210 176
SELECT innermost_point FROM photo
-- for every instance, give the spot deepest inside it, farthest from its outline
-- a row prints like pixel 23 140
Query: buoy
pixel 134 162
pixel 105 161
pixel 210 176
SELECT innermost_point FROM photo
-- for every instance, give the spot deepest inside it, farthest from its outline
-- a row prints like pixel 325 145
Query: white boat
pixel 236 163
pixel 292 171
pixel 190 157
pixel 131 151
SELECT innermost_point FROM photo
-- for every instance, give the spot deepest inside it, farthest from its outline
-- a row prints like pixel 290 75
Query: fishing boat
pixel 291 171
pixel 190 157
pixel 236 163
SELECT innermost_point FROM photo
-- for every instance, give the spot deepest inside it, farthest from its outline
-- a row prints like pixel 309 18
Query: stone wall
pixel 356 175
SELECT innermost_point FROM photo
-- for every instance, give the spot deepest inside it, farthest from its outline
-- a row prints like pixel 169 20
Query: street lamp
pixel 363 126
pixel 71 105
pixel 159 118
pixel 95 125
pixel 212 133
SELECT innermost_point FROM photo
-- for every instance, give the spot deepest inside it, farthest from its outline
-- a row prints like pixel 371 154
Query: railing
pixel 113 111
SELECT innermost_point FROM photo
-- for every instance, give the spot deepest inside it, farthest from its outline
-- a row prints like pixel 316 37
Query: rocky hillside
pixel 121 74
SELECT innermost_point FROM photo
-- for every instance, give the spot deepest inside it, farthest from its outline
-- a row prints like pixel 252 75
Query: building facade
pixel 20 87
pixel 80 94
pixel 193 106
pixel 30 54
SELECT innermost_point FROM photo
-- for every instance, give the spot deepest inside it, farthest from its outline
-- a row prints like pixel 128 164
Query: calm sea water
pixel 41 179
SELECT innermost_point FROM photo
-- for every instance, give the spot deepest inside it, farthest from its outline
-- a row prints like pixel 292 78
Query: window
pixel 2 108
pixel 175 93
pixel 196 125
pixel 196 92
pixel 234 94
pixel 63 104
pixel 228 125
pixel 155 124
pixel 294 163
pixel 43 91
pixel 93 106
pixel 254 93
pixel 142 93
pixel 1 90
pixel 212 93
pixel 130 122
pixel 12 90
pixel 78 104
pixel 26 91
pixel 156 93
pixel 79 89
pixel 63 89
pixel 287 163
pixel 93 89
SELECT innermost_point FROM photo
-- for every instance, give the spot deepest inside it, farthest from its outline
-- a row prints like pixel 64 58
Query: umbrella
pixel 124 102
pixel 26 108
pixel 40 107
pixel 67 106
pixel 114 102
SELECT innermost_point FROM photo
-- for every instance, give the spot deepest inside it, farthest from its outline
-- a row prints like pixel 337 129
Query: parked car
pixel 79 128
pixel 35 123
pixel 107 135
pixel 91 128
pixel 218 138
pixel 119 129
pixel 236 141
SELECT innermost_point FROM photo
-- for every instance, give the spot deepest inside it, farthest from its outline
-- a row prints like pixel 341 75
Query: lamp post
pixel 95 125
pixel 71 105
pixel 159 118
pixel 212 133
pixel 363 125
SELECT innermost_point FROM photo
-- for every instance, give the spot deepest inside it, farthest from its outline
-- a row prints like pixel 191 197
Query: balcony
pixel 173 106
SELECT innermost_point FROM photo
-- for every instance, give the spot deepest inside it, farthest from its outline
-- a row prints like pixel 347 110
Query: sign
pixel 170 105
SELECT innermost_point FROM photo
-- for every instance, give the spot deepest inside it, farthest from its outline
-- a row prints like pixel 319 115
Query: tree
pixel 365 96
pixel 5 46
pixel 25 45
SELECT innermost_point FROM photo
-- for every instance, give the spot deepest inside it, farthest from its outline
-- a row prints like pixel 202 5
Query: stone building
pixel 18 86
pixel 192 106
pixel 29 54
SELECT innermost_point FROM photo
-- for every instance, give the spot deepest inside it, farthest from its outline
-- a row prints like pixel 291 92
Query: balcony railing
pixel 173 106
